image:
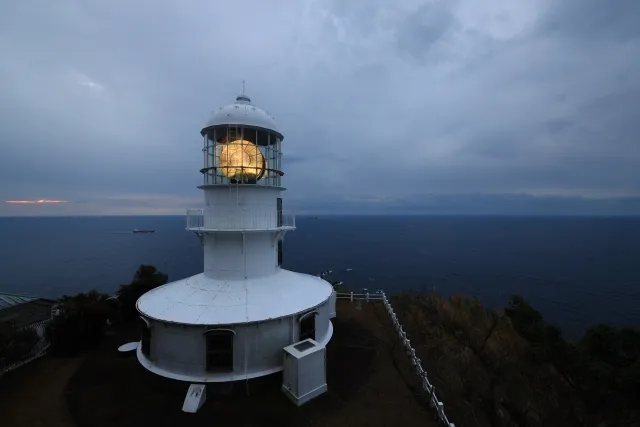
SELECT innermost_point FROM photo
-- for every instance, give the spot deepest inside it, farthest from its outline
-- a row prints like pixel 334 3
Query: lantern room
pixel 242 146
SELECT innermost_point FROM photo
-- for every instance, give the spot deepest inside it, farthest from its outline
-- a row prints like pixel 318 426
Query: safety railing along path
pixel 40 349
pixel 239 219
pixel 434 402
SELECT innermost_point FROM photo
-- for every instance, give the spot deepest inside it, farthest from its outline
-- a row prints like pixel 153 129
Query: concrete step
pixel 195 398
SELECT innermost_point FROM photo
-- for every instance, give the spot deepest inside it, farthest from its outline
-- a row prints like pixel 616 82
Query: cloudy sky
pixel 447 106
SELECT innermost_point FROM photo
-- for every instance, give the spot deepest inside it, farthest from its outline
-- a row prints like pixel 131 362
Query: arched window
pixel 145 337
pixel 307 325
pixel 219 350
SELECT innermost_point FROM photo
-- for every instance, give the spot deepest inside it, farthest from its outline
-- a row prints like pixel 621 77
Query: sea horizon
pixel 578 271
pixel 367 214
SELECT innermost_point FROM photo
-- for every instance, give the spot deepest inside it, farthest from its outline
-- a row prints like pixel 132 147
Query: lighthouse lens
pixel 241 161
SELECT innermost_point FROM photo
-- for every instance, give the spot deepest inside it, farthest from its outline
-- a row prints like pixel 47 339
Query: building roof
pixel 242 112
pixel 11 300
pixel 201 300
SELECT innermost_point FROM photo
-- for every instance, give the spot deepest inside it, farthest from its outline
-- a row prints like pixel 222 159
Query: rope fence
pixel 429 388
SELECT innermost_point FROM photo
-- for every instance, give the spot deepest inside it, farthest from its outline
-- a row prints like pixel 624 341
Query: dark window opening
pixel 308 327
pixel 219 351
pixel 279 212
pixel 145 339
pixel 279 253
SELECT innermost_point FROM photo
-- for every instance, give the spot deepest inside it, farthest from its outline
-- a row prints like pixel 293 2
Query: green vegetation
pixel 146 278
pixel 15 346
pixel 81 324
pixel 511 368
pixel 490 368
pixel 84 317
pixel 603 367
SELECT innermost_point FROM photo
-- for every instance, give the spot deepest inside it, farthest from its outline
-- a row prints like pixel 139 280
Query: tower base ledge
pixel 214 378
pixel 217 377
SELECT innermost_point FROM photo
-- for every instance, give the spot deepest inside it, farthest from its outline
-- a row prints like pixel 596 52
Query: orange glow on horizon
pixel 34 202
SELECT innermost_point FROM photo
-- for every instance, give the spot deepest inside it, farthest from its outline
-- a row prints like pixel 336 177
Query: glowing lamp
pixel 241 161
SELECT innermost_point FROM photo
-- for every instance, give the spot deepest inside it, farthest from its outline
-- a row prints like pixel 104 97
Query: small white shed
pixel 304 375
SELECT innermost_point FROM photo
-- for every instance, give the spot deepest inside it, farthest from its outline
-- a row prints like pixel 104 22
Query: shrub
pixel 16 345
pixel 83 320
pixel 147 277
pixel 604 365
pixel 81 325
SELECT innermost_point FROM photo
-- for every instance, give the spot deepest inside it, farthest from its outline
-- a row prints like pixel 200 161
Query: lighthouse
pixel 244 316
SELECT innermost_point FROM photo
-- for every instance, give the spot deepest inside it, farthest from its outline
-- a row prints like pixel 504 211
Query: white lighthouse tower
pixel 239 318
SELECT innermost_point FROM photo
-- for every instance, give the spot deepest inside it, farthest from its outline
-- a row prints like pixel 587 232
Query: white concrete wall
pixel 332 304
pixel 311 372
pixel 322 320
pixel 228 207
pixel 225 255
pixel 179 352
pixel 226 258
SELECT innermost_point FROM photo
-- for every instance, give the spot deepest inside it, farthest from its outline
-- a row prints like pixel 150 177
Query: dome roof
pixel 242 112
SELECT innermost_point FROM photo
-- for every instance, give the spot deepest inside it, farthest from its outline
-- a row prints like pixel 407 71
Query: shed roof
pixel 11 300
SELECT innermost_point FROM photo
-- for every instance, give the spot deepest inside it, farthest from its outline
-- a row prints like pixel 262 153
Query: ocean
pixel 577 271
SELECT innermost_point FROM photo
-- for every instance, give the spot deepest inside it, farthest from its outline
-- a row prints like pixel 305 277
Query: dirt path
pixel 34 395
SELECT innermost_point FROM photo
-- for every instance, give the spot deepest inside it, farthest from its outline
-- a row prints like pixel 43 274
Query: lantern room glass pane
pixel 242 156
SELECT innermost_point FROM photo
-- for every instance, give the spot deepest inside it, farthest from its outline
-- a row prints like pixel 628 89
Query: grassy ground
pixel 483 369
pixel 369 378
pixel 33 395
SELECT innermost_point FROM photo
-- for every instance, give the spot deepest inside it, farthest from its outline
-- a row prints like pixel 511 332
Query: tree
pixel 526 320
pixel 604 366
pixel 81 324
pixel 147 277
pixel 83 319
pixel 613 357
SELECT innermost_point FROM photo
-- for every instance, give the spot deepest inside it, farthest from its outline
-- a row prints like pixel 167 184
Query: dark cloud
pixel 474 204
pixel 421 29
pixel 593 21
pixel 556 126
pixel 381 103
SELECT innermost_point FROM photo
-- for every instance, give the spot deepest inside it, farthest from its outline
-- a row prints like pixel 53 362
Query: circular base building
pixel 244 316
pixel 203 330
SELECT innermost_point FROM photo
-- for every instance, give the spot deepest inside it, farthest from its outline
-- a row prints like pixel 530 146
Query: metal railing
pixel 38 350
pixel 366 296
pixel 434 402
pixel 239 219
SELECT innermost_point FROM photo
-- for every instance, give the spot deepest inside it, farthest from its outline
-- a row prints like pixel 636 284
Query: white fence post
pixel 411 352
